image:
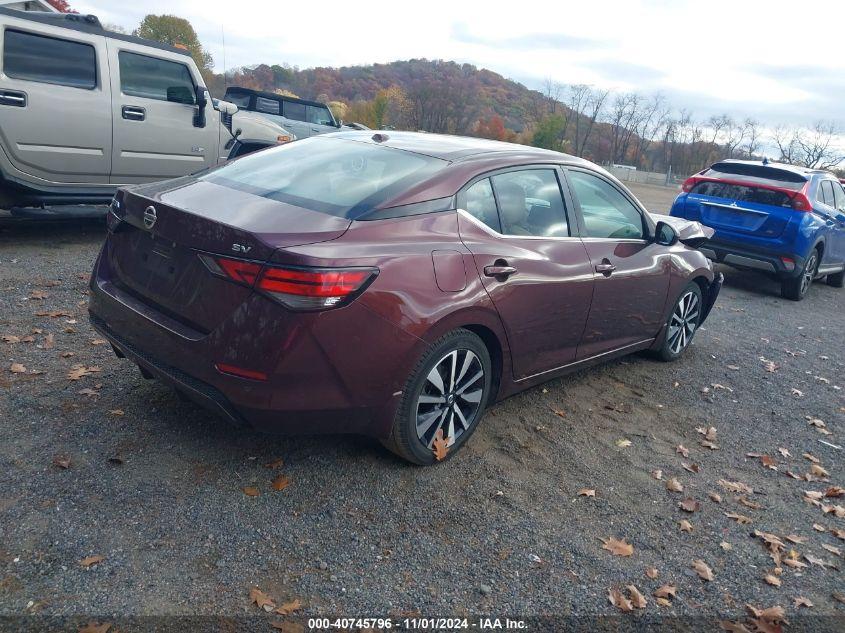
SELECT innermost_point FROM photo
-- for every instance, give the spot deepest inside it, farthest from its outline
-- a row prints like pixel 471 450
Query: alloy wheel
pixel 451 397
pixel 809 272
pixel 683 322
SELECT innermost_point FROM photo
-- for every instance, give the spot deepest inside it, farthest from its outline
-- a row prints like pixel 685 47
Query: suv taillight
pixel 297 288
pixel 800 202
pixel 689 183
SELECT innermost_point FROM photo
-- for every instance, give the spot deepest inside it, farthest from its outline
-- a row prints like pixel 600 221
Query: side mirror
pixel 339 123
pixel 226 107
pixel 202 101
pixel 665 235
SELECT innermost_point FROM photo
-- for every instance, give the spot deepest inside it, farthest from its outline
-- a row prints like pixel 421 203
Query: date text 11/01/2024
pixel 426 624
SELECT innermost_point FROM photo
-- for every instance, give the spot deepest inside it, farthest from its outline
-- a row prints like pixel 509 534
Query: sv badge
pixel 240 248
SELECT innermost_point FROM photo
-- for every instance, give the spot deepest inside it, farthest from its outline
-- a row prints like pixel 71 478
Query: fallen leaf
pixel 116 411
pixel 558 412
pixel 587 492
pixel 280 482
pixel 637 599
pixel 674 485
pixel 665 591
pixel 685 525
pixel 839 597
pixel 619 601
pixel 733 627
pixel 819 528
pixel 78 371
pixel 736 486
pixel 88 392
pixel 701 568
pixel 768 461
pixel 818 471
pixel 17 368
pixel 689 505
pixel 797 392
pixel 816 422
pixel 708 433
pixel 682 450
pixel 811 457
pixel 623 443
pixel 784 452
pixel 749 504
pixel 714 497
pixel 261 599
pixel 90 561
pixel 62 461
pixel 652 572
pixel 289 607
pixel 832 549
pixel 99 341
pixel 817 561
pixel 9 338
pixel 67 354
pixel 663 602
pixel 772 614
pixel 739 518
pixel 772 580
pixel 792 538
pixel 251 491
pixel 657 474
pixel 693 468
pixel 801 601
pixel 726 546
pixel 834 491
pixel 617 547
pixel 38 295
pixel 49 341
pixel 440 446
pixel 840 534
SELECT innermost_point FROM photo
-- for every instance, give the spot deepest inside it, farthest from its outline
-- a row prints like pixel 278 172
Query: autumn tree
pixel 176 31
pixel 492 127
pixel 550 132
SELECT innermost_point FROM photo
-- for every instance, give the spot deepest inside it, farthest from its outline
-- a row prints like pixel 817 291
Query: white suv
pixel 84 110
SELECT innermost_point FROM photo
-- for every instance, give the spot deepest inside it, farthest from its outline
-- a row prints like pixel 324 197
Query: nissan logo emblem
pixel 149 217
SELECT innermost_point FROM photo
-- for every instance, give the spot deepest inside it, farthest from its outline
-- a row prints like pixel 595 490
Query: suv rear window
pixel 742 193
pixel 49 60
pixel 768 175
pixel 340 177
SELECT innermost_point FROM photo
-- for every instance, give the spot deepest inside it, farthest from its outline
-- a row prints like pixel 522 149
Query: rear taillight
pixel 294 287
pixel 314 288
pixel 800 202
pixel 689 183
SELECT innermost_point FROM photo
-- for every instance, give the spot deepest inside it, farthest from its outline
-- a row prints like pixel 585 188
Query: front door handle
pixel 498 270
pixel 133 113
pixel 605 268
pixel 13 98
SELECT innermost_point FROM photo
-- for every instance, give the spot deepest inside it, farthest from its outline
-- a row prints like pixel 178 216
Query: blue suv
pixel 785 220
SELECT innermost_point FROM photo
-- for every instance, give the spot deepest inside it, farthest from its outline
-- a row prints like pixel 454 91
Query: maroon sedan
pixel 393 284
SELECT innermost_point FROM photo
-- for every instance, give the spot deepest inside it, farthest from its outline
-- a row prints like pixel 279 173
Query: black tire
pixel 796 288
pixel 837 280
pixel 404 438
pixel 672 347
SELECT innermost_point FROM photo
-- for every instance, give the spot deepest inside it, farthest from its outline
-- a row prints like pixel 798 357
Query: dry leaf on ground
pixel 61 461
pixel 702 569
pixel 652 572
pixel 674 485
pixel 637 599
pixel 772 580
pixel 289 607
pixel 17 368
pixel 90 561
pixel 280 482
pixel 690 505
pixel 619 601
pixel 617 547
pixel 261 599
pixel 801 601
pixel 665 591
pixel 686 526
pixel 251 491
pixel 440 446
pixel 586 492
pixel 739 518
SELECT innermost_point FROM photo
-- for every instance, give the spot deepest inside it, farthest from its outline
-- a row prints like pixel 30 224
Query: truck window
pixel 49 60
pixel 319 115
pixel 294 111
pixel 154 78
pixel 268 106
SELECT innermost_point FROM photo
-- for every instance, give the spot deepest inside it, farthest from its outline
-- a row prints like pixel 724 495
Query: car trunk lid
pixel 154 250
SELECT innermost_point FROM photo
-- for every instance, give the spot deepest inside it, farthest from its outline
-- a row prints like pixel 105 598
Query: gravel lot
pixel 155 486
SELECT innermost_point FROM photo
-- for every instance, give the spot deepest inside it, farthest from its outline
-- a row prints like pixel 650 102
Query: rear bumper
pixel 339 371
pixel 744 257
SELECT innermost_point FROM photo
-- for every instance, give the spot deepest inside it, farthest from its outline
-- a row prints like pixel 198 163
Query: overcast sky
pixel 776 61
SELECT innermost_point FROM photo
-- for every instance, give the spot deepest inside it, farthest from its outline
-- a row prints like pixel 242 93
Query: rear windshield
pixel 340 177
pixel 742 193
pixel 758 174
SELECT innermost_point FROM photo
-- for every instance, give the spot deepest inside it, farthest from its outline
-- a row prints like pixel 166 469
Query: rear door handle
pixel 499 271
pixel 605 268
pixel 13 98
pixel 133 113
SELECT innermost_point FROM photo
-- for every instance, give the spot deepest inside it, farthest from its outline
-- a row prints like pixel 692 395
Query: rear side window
pixel 481 204
pixel 318 115
pixel 335 176
pixel 607 213
pixel 295 111
pixel 154 78
pixel 530 203
pixel 838 196
pixel 825 193
pixel 240 99
pixel 742 193
pixel 49 60
pixel 269 106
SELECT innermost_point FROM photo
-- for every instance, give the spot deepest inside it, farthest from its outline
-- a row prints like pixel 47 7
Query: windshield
pixel 336 176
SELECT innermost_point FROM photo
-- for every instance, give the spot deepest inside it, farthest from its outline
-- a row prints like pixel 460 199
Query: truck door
pixel 55 103
pixel 154 109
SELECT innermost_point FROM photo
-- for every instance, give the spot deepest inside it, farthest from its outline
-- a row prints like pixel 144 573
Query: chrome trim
pixel 585 360
pixel 748 262
pixel 734 207
pixel 830 268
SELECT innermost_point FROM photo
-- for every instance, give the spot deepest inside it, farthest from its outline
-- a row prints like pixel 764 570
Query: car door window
pixel 268 106
pixel 838 197
pixel 530 203
pixel 318 115
pixel 826 190
pixel 607 213
pixel 294 111
pixel 154 78
pixel 49 60
pixel 481 204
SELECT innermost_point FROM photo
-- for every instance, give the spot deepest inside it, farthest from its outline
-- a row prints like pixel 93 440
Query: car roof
pixel 458 148
pixel 273 95
pixel 86 24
